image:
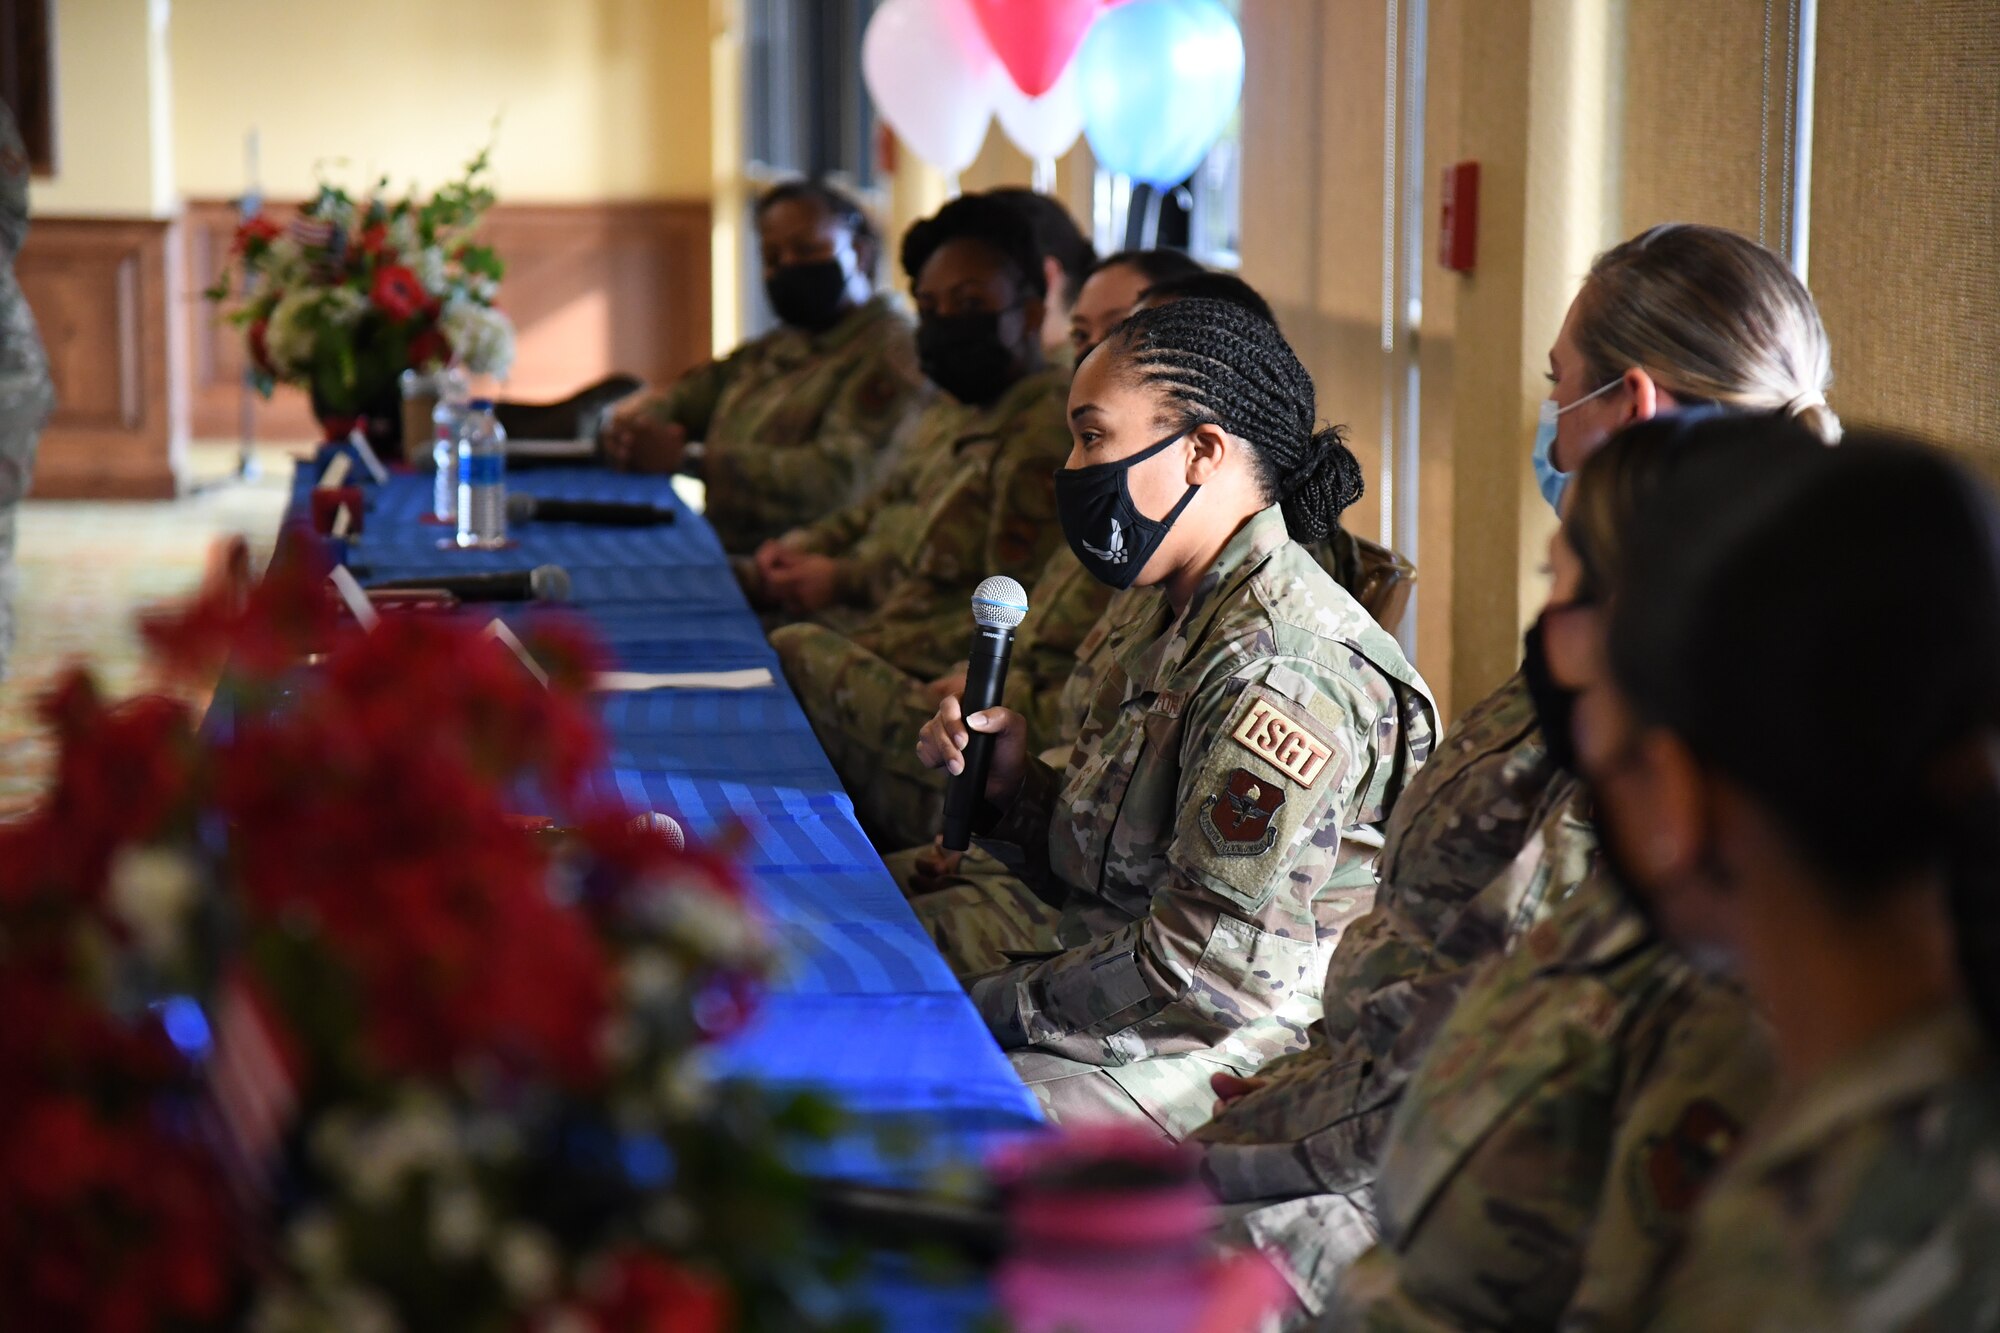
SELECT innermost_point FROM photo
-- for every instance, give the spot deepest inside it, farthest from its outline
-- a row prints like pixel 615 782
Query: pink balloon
pixel 1035 39
pixel 933 78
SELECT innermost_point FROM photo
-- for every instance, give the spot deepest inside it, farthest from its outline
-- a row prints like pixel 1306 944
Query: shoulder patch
pixel 1237 819
pixel 1280 739
pixel 1679 1164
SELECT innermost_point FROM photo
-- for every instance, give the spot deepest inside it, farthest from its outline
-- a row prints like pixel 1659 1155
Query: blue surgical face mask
pixel 1553 480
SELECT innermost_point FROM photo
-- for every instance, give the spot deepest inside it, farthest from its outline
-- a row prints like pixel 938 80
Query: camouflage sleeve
pixel 839 532
pixel 1219 946
pixel 1700 1070
pixel 690 401
pixel 834 465
pixel 1021 529
pixel 13 187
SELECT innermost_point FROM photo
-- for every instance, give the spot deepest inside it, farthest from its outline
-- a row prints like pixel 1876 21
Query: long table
pixel 864 1008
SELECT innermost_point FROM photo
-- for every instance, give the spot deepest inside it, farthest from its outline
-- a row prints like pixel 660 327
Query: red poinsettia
pixel 374 242
pixel 397 293
pixel 430 349
pixel 254 231
pixel 644 1293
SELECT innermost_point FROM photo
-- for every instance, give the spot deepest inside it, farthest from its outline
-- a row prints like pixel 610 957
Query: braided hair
pixel 1219 364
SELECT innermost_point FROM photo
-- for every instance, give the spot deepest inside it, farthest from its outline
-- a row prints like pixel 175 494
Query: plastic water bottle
pixel 482 478
pixel 446 419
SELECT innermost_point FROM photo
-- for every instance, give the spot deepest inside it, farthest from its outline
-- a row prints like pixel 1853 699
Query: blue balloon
pixel 1159 79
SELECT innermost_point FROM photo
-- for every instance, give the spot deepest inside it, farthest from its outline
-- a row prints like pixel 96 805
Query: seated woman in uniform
pixel 1797 759
pixel 973 498
pixel 1543 1159
pixel 789 425
pixel 1067 259
pixel 1494 832
pixel 1113 291
pixel 868 725
pixel 1217 822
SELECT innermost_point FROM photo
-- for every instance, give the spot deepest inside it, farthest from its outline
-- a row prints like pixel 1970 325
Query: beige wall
pixel 114 151
pixel 597 99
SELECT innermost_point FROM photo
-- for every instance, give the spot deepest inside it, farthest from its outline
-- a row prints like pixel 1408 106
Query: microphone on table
pixel 665 825
pixel 543 583
pixel 998 605
pixel 603 513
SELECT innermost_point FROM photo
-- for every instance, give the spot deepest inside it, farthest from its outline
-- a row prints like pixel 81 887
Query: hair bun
pixel 1322 489
pixel 1809 409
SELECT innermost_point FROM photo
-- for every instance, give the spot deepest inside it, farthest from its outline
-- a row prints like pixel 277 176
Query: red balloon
pixel 1035 39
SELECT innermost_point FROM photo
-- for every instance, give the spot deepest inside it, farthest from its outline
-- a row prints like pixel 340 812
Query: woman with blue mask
pixel 1216 824
pixel 1680 314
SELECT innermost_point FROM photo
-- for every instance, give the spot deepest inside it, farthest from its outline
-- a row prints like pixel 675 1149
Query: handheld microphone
pixel 543 583
pixel 603 513
pixel 665 825
pixel 998 605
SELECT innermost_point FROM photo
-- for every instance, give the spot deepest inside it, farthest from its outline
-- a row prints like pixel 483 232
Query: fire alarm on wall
pixel 1458 219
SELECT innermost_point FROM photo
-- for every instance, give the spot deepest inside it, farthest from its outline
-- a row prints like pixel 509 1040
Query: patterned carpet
pixel 86 568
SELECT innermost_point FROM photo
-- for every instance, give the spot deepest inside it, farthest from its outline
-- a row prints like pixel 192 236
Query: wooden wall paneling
pixel 592 289
pixel 103 292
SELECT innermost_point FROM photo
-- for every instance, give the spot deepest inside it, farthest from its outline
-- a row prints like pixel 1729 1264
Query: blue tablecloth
pixel 864 1008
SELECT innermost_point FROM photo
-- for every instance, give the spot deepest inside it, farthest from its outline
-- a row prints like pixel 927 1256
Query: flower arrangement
pixel 307 1031
pixel 355 291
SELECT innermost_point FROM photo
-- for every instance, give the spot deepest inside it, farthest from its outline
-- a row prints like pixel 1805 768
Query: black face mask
pixel 1111 538
pixel 966 356
pixel 1555 706
pixel 810 296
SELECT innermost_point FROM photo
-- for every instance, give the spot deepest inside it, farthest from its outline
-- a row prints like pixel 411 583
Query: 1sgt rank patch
pixel 1282 742
pixel 1237 819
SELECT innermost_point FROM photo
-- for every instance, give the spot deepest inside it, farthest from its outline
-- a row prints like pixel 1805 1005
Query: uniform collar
pixel 1154 658
pixel 1895 1069
pixel 854 325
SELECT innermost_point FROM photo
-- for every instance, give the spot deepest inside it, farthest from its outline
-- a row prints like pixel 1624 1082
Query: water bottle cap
pixel 482 404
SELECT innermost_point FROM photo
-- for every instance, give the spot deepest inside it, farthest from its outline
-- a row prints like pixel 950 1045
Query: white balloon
pixel 934 78
pixel 1047 126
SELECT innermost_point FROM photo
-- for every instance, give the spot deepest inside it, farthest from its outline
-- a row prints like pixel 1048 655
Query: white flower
pixel 284 263
pixel 359 1310
pixel 651 977
pixel 152 889
pixel 685 1088
pixel 343 307
pixel 458 1221
pixel 403 236
pixel 712 922
pixel 526 1260
pixel 484 288
pixel 289 337
pixel 314 1241
pixel 482 337
pixel 429 266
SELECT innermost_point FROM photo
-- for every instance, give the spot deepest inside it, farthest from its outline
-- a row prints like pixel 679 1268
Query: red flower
pixel 260 351
pixel 645 1293
pixel 256 231
pixel 430 349
pixel 375 242
pixel 397 292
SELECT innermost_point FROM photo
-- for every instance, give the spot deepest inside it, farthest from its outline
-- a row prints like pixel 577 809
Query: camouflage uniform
pixel 1214 833
pixel 1544 1160
pixel 1870 1203
pixel 793 424
pixel 868 713
pixel 984 503
pixel 26 393
pixel 1489 836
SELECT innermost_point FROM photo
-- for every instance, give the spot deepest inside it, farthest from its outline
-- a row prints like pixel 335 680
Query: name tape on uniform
pixel 1282 742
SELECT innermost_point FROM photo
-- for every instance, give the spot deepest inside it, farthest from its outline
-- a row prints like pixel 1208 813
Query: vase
pixel 379 418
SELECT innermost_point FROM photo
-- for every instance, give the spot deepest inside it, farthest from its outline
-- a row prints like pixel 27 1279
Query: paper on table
pixel 750 678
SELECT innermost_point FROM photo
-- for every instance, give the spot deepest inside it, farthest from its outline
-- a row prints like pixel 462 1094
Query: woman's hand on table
pixel 805 585
pixel 779 553
pixel 635 440
pixel 942 742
